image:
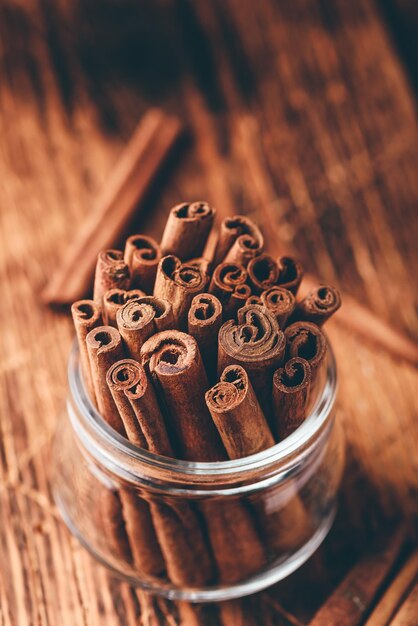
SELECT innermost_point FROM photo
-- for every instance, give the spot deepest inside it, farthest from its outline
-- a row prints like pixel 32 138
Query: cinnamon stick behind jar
pixel 187 230
pixel 306 340
pixel 180 536
pixel 111 273
pixel 114 299
pixel 140 318
pixel 204 321
pixel 239 241
pixel 179 283
pixel 318 305
pixel 126 517
pixel 290 273
pixel 256 343
pixel 291 386
pixel 142 255
pixel 244 431
pixel 174 361
pixel 279 301
pixel 86 316
pixel 263 272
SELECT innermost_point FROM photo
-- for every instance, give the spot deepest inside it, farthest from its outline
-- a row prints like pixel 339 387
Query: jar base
pixel 276 571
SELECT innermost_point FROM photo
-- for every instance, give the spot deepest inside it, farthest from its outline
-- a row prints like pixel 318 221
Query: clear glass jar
pixel 232 528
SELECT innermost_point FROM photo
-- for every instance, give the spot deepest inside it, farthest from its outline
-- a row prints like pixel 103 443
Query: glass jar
pixel 216 531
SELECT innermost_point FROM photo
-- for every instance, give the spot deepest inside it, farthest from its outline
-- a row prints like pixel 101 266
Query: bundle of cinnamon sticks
pixel 204 357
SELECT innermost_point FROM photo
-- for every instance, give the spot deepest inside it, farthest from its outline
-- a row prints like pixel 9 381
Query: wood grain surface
pixel 301 115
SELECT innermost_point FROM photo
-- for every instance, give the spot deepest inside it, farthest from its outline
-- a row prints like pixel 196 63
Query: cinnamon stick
pixel 318 305
pixel 352 599
pixel 279 301
pixel 256 343
pixel 228 284
pixel 86 316
pixel 142 255
pixel 175 364
pixel 140 318
pixel 291 385
pixel 177 527
pixel 407 614
pixel 263 272
pixel 179 283
pixel 204 321
pixel 187 230
pixel 105 347
pixel 244 430
pixel 290 273
pixel 126 187
pixel 114 299
pixel 253 299
pixel 237 414
pixel 111 273
pixel 305 340
pixel 237 300
pixel 239 241
pixel 395 594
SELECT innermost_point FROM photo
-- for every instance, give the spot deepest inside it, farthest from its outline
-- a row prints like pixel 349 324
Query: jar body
pixel 189 532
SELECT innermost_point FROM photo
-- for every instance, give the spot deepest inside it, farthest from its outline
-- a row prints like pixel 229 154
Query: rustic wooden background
pixel 302 114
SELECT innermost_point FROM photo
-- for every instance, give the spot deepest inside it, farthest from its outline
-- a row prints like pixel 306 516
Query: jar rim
pixel 116 451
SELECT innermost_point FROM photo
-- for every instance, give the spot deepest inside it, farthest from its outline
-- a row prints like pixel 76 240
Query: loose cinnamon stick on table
pixel 290 273
pixel 355 595
pixel 204 321
pixel 306 340
pixel 179 534
pixel 318 305
pixel 86 316
pixel 187 230
pixel 279 301
pixel 179 283
pixel 140 318
pixel 174 361
pixel 142 255
pixel 105 347
pixel 395 594
pixel 239 241
pixel 125 189
pixel 291 386
pixel 256 343
pixel 263 272
pixel 237 414
pixel 114 299
pixel 111 273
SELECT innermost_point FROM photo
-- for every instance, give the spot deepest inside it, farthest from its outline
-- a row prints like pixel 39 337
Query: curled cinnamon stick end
pixel 86 316
pixel 187 230
pixel 291 385
pixel 256 343
pixel 204 321
pixel 140 318
pixel 104 345
pixel 237 300
pixel 306 340
pixel 179 283
pixel 142 255
pixel 237 414
pixel 239 241
pixel 279 301
pixel 253 300
pixel 111 273
pixel 263 272
pixel 138 406
pixel 318 305
pixel 174 361
pixel 290 273
pixel 114 299
pixel 225 279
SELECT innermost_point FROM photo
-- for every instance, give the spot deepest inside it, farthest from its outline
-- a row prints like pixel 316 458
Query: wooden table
pixel 302 114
